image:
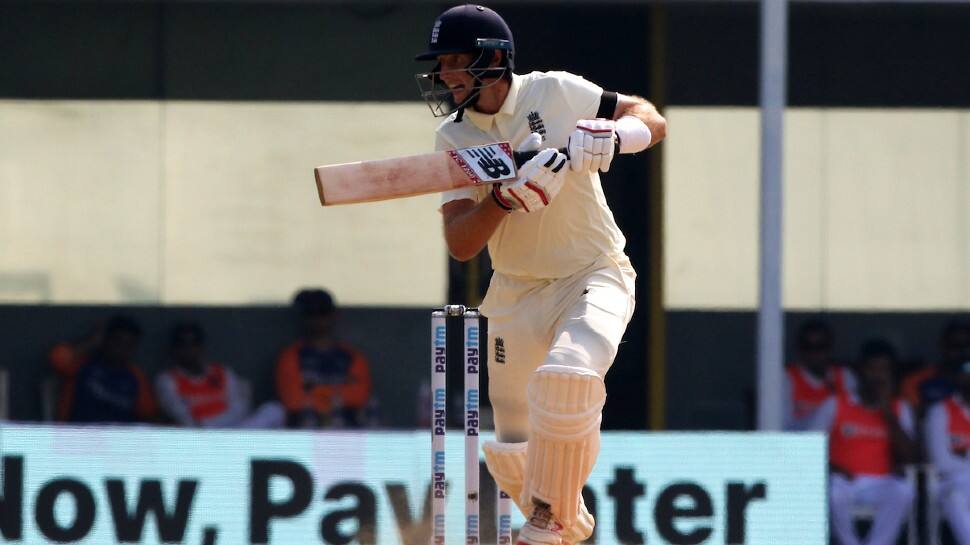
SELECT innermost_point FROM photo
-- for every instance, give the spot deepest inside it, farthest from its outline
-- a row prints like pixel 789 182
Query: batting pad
pixel 565 410
pixel 506 463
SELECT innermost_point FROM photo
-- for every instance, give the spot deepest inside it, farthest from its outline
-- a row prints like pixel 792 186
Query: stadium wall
pixel 255 70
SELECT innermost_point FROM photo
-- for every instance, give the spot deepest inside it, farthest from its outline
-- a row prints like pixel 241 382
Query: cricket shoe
pixel 542 528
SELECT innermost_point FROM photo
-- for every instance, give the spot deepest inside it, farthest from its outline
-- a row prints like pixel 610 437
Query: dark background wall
pixel 396 342
pixel 868 54
pixel 711 357
pixel 873 54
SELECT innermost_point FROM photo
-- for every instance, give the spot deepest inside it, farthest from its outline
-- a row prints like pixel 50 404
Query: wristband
pixel 633 134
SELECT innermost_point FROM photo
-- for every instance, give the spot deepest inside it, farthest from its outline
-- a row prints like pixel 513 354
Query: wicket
pixel 439 425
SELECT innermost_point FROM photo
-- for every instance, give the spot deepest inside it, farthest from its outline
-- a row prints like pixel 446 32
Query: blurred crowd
pixel 898 431
pixel 321 382
pixel 897 434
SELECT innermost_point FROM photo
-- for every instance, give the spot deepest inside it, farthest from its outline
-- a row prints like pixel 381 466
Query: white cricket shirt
pixel 577 227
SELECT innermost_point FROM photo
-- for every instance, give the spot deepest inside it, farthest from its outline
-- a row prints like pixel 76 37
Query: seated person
pixel 814 376
pixel 100 382
pixel 948 449
pixel 870 440
pixel 937 382
pixel 322 382
pixel 199 393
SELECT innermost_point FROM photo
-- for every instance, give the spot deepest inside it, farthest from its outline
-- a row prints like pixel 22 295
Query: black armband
pixel 607 105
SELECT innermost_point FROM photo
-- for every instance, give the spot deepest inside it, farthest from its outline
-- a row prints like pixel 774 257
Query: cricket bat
pixel 368 181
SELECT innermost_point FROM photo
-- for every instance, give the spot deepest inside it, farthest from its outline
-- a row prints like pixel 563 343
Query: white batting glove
pixel 540 180
pixel 591 145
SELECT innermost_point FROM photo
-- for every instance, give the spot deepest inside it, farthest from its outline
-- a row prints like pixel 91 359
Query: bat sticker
pixel 485 164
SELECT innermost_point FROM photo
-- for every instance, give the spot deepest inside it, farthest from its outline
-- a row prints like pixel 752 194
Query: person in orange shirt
pixel 195 392
pixel 100 382
pixel 938 381
pixel 321 381
pixel 814 377
pixel 948 449
pixel 871 437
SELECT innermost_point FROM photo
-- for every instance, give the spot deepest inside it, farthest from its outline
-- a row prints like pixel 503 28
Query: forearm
pixel 642 109
pixel 469 225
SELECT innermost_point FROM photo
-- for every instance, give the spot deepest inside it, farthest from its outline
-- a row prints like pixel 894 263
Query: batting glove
pixel 591 145
pixel 540 180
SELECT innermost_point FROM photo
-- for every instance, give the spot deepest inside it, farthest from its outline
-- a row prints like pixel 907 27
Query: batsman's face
pixel 455 75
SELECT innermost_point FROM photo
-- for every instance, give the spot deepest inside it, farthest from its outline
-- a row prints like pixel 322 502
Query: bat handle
pixel 522 157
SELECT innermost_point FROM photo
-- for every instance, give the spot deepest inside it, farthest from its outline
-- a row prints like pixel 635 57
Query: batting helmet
pixel 467 28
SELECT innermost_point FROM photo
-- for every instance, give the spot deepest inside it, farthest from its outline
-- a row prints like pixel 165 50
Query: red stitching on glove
pixel 542 194
pixel 512 191
pixel 503 202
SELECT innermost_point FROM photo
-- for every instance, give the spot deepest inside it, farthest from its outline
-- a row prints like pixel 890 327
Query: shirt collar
pixel 485 121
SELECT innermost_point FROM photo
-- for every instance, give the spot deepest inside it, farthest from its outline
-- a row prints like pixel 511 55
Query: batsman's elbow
pixel 658 129
pixel 462 254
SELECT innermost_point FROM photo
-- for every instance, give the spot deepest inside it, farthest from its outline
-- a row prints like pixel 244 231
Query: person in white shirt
pixel 871 437
pixel 813 377
pixel 563 290
pixel 947 436
pixel 198 393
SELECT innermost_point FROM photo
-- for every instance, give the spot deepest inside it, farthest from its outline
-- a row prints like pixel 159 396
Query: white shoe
pixel 542 528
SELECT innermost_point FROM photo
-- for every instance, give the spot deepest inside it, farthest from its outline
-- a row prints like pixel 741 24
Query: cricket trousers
pixel 955 503
pixel 577 320
pixel 890 497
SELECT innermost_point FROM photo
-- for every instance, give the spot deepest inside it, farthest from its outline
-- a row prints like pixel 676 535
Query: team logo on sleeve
pixel 536 125
pixel 499 350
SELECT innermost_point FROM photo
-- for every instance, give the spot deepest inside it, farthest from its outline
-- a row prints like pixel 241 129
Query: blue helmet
pixel 468 28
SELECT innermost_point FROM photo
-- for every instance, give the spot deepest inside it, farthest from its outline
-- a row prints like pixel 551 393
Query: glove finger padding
pixel 579 160
pixel 603 150
pixel 540 180
pixel 591 145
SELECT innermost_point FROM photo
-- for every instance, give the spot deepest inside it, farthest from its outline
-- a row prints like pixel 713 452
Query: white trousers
pixel 955 504
pixel 269 416
pixel 890 497
pixel 578 320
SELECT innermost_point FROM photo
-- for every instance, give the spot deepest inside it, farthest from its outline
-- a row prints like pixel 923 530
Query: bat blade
pixel 369 181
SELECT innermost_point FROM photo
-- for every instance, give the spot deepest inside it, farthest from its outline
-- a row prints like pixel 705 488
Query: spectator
pixel 100 382
pixel 937 382
pixel 814 376
pixel 948 449
pixel 195 392
pixel 870 439
pixel 322 382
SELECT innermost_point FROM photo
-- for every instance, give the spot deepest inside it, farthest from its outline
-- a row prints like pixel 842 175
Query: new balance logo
pixel 434 32
pixel 491 163
pixel 493 168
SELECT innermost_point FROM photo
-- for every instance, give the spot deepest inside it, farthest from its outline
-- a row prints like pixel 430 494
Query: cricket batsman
pixel 563 290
